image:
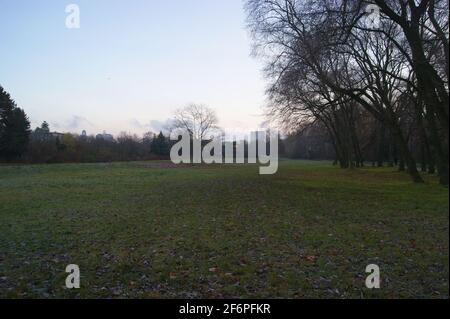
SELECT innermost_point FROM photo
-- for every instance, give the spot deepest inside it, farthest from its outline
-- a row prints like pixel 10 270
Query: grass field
pixel 148 230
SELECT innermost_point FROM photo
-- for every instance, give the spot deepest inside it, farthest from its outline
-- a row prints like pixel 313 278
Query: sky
pixel 131 63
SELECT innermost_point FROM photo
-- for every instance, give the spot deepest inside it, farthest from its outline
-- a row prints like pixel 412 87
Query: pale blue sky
pixel 131 62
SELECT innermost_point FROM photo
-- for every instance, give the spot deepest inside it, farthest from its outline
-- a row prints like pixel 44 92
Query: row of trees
pixel 45 147
pixel 375 147
pixel 199 120
pixel 360 69
pixel 19 144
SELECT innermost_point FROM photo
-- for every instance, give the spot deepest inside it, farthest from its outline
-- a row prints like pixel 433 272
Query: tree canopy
pixel 14 128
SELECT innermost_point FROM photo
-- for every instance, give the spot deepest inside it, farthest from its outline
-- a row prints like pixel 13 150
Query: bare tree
pixel 199 120
pixel 323 62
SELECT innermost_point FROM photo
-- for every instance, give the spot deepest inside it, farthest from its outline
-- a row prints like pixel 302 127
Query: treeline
pixel 375 148
pixel 44 147
pixel 372 75
pixel 19 144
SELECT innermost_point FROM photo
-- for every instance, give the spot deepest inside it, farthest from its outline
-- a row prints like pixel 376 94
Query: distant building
pixel 40 135
pixel 83 135
pixel 105 137
pixel 57 136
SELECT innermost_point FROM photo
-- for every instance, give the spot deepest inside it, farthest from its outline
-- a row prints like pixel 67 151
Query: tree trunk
pixel 406 156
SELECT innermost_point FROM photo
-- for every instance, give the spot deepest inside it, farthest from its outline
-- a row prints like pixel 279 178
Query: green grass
pixel 140 230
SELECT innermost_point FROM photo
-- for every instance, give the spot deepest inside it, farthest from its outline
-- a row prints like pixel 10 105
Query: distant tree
pixel 160 145
pixel 14 128
pixel 45 127
pixel 147 140
pixel 69 141
pixel 41 133
pixel 148 137
pixel 199 120
pixel 129 147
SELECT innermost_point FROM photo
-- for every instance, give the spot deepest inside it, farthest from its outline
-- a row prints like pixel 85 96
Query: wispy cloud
pixel 75 123
pixel 163 126
pixel 138 125
pixel 154 125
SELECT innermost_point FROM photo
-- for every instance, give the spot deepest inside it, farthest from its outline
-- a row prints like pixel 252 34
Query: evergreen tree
pixel 45 127
pixel 42 133
pixel 14 128
pixel 159 145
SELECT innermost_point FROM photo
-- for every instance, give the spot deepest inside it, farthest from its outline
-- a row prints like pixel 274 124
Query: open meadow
pixel 152 230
